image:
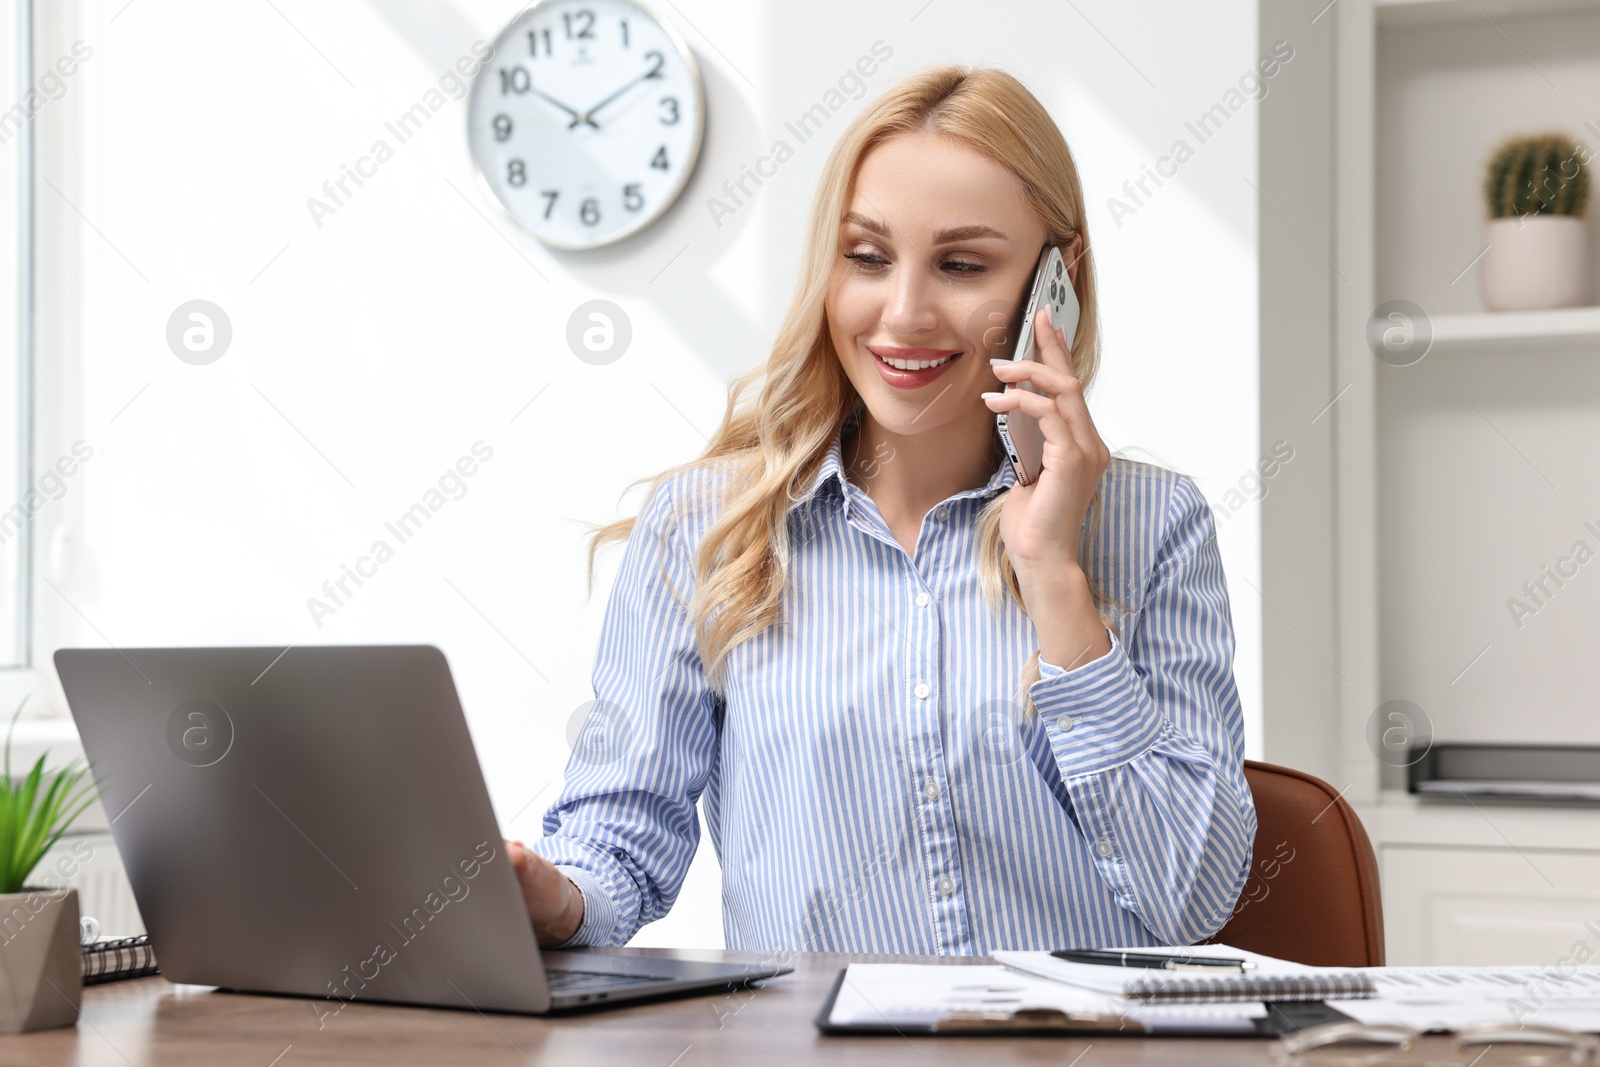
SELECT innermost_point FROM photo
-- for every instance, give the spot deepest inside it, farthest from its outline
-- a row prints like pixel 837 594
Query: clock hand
pixel 576 118
pixel 588 116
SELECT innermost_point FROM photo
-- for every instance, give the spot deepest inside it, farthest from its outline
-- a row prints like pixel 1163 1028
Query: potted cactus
pixel 41 961
pixel 1537 190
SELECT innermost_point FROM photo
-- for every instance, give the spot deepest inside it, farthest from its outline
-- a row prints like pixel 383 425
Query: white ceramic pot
pixel 41 960
pixel 1536 261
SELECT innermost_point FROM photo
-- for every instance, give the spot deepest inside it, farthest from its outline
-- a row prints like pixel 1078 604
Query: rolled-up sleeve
pixel 1149 739
pixel 625 826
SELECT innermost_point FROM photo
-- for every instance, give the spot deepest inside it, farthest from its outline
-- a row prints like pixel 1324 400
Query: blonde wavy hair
pixel 777 444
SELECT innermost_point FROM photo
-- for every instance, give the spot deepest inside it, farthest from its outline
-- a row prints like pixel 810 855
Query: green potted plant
pixel 1537 188
pixel 41 960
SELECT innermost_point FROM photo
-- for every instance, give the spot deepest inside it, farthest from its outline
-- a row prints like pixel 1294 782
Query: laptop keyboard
pixel 564 981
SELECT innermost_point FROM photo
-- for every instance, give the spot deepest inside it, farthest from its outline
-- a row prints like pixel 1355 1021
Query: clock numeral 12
pixel 587 30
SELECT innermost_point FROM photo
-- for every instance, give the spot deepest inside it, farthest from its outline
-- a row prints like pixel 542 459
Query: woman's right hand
pixel 554 903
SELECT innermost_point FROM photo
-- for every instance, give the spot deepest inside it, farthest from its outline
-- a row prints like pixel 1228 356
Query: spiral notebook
pixel 110 959
pixel 1270 980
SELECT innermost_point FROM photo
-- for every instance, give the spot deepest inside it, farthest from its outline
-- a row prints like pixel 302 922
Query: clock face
pixel 586 122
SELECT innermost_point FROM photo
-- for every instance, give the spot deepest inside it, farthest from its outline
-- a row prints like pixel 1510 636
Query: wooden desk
pixel 151 1021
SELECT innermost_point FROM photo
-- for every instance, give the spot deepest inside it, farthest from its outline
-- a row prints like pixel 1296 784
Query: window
pixel 16 423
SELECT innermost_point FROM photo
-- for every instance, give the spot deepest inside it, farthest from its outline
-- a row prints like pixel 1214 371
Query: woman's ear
pixel 1071 254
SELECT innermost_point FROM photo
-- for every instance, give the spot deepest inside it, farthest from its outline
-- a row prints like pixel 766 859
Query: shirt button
pixel 947 885
pixel 940 512
pixel 1063 723
pixel 1104 847
pixel 922 690
pixel 931 789
pixel 922 599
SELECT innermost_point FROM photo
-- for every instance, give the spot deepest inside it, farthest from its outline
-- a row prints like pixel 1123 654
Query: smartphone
pixel 1020 433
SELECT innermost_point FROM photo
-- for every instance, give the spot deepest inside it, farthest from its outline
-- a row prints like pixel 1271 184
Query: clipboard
pixel 1283 1017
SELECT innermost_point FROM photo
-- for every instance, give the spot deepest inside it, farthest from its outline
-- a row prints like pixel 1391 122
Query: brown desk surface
pixel 151 1021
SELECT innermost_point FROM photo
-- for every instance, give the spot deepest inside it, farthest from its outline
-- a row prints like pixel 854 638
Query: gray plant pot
pixel 1536 261
pixel 41 960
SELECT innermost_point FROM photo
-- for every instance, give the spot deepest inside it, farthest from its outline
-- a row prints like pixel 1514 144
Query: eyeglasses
pixel 1484 1045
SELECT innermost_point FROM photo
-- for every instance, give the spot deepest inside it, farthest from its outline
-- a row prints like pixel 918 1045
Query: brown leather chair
pixel 1312 893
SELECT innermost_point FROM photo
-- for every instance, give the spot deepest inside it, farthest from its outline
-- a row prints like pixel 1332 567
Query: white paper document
pixel 1450 998
pixel 1542 790
pixel 1564 995
pixel 920 995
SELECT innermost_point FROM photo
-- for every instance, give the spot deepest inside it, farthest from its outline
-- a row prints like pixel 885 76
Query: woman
pixel 929 710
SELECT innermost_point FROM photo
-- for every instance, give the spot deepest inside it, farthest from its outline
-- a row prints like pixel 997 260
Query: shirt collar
pixel 832 471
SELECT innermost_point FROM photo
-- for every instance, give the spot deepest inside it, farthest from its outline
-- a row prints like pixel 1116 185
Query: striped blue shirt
pixel 870 783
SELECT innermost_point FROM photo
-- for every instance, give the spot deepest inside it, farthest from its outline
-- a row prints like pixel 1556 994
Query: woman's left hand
pixel 1041 524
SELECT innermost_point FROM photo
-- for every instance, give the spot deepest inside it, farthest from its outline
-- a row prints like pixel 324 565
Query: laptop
pixel 314 822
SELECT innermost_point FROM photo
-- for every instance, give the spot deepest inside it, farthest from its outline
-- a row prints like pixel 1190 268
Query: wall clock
pixel 586 123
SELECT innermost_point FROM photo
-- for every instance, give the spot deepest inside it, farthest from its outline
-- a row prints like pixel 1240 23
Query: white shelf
pixel 1401 818
pixel 1404 13
pixel 1422 92
pixel 1559 327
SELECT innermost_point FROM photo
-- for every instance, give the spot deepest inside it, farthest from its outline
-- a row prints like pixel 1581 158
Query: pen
pixel 1155 960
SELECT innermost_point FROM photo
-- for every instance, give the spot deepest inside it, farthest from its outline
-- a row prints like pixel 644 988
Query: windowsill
pixel 55 738
pixel 33 737
pixel 41 727
pixel 39 690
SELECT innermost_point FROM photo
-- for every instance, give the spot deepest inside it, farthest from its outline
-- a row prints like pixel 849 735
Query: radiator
pixel 90 864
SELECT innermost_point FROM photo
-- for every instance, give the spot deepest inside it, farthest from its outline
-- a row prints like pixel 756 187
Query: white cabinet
pixel 1480 906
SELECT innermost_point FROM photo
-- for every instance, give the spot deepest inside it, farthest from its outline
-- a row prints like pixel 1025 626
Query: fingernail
pixel 1000 362
pixel 992 396
pixel 1049 316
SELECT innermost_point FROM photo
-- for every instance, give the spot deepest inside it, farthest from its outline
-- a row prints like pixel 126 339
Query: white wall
pixel 369 353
